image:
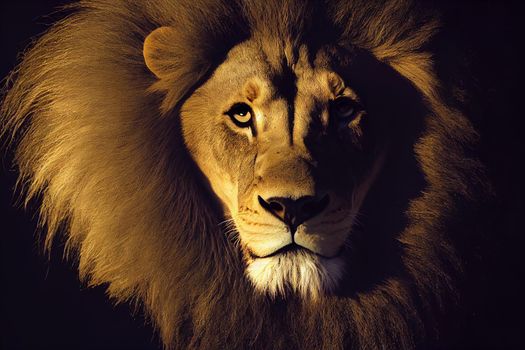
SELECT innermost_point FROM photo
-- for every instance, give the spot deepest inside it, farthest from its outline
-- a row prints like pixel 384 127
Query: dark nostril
pixel 274 206
pixel 312 207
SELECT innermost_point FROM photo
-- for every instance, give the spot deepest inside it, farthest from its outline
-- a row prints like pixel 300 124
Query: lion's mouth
pixel 291 249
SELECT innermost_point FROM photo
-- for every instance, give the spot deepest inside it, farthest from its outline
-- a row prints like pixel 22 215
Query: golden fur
pixel 295 149
pixel 99 140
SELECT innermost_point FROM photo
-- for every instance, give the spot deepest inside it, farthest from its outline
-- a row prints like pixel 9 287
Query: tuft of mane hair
pixel 97 141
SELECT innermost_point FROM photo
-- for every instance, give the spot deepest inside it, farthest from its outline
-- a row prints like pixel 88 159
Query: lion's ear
pixel 157 49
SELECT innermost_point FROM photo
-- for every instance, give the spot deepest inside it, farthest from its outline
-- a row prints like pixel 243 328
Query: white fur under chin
pixel 301 273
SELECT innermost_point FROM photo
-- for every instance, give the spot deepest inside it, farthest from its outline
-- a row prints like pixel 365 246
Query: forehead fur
pixel 280 29
pixel 82 113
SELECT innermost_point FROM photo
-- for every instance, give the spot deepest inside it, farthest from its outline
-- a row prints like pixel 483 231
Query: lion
pixel 254 174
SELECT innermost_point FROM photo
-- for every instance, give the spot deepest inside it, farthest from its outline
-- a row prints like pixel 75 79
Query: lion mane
pixel 98 143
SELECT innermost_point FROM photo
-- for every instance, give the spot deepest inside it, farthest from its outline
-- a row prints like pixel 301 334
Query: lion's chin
pixel 298 272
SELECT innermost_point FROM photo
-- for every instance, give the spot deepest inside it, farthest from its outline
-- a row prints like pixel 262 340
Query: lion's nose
pixel 294 212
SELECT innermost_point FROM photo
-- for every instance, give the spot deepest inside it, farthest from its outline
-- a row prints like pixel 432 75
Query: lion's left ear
pixel 157 51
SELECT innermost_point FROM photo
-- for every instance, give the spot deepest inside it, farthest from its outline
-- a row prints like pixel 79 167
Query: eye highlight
pixel 344 110
pixel 241 114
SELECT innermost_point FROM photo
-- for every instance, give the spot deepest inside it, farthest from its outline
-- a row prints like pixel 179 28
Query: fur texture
pixel 308 276
pixel 84 114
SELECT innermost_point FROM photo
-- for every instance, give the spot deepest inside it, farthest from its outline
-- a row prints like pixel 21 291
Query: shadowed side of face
pixel 284 143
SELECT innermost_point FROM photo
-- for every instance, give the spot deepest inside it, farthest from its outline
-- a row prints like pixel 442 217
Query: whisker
pixel 226 222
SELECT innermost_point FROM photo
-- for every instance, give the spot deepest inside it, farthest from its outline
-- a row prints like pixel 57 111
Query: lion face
pixel 284 144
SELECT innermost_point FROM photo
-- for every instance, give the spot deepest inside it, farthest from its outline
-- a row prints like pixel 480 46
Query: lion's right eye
pixel 241 114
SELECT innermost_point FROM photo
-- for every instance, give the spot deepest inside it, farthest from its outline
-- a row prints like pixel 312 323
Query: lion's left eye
pixel 241 114
pixel 344 109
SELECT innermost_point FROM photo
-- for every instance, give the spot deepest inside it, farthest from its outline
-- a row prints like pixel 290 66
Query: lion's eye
pixel 241 114
pixel 344 110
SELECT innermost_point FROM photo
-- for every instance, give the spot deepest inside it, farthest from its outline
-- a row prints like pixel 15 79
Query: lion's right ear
pixel 157 51
pixel 179 59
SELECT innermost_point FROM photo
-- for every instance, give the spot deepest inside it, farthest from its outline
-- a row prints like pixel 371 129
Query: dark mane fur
pixel 84 115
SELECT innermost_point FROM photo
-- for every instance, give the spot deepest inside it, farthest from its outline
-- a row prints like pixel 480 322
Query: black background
pixel 44 305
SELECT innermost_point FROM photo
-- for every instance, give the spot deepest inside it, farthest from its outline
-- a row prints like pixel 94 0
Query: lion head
pixel 242 168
